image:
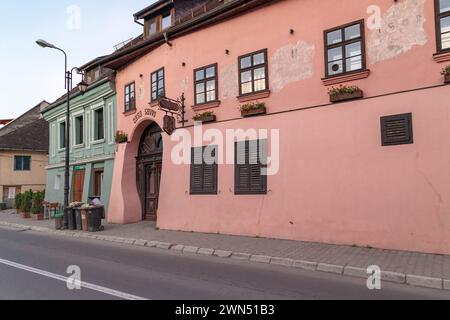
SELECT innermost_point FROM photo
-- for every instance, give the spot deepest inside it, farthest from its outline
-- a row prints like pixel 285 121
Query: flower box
pixel 121 137
pixel 344 96
pixel 253 109
pixel 205 118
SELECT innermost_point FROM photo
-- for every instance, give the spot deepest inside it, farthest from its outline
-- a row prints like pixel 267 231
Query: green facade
pixel 90 151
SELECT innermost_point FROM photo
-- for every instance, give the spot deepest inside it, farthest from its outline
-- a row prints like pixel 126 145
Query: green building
pixel 92 139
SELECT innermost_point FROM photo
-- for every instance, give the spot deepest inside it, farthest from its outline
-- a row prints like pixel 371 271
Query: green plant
pixel 38 199
pixel 446 71
pixel 27 201
pixel 342 89
pixel 121 137
pixel 18 201
pixel 200 116
pixel 252 106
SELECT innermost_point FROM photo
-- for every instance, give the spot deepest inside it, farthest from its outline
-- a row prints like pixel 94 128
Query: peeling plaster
pixel 402 27
pixel 229 80
pixel 184 85
pixel 291 63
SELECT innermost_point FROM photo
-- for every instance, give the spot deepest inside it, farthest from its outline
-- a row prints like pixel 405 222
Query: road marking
pixel 86 285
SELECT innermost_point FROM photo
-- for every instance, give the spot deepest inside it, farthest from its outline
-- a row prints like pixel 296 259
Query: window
pixel 253 73
pixel 22 163
pixel 250 160
pixel 79 130
pixel 130 97
pixel 443 24
pixel 345 49
pixel 99 129
pixel 157 79
pixel 205 86
pixel 166 20
pixel 152 27
pixel 98 182
pixel 204 170
pixel 62 135
pixel 397 129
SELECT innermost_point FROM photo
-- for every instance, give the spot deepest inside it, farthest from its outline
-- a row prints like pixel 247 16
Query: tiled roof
pixel 28 132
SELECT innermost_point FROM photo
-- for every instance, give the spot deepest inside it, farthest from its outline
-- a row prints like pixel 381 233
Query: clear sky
pixel 84 29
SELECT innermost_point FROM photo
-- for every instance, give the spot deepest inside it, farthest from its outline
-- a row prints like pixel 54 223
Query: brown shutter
pixel 203 175
pixel 249 179
pixel 397 130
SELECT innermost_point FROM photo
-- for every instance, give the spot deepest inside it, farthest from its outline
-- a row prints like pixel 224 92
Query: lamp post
pixel 68 85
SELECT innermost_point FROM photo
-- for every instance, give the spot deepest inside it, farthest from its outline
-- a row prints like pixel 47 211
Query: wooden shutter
pixel 397 130
pixel 249 178
pixel 203 175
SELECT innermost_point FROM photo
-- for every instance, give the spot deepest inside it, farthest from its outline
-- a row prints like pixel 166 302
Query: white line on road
pixel 86 285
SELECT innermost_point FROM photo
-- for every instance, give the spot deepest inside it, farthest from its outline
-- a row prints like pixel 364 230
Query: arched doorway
pixel 149 167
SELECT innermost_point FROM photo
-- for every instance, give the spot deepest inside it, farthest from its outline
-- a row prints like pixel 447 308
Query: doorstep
pixel 340 260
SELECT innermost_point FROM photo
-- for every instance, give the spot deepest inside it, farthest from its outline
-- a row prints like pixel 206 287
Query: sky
pixel 84 29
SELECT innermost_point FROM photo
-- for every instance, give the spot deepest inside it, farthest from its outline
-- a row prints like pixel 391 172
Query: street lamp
pixel 68 85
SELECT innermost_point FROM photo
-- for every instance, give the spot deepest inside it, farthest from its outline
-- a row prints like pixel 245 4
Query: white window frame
pixel 94 108
pixel 60 121
pixel 76 115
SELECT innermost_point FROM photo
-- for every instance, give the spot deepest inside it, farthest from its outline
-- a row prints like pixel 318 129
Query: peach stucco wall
pixel 336 183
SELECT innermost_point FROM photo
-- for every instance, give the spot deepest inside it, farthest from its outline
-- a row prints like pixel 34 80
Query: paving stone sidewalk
pixel 426 270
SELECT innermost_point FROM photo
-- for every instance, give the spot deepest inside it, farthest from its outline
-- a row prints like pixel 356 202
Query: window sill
pixel 78 146
pixel 205 106
pixel 153 103
pixel 441 56
pixel 129 113
pixel 346 77
pixel 98 141
pixel 254 96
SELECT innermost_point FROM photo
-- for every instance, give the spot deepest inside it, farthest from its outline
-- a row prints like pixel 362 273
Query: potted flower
pixel 27 202
pixel 205 117
pixel 253 109
pixel 37 210
pixel 343 93
pixel 446 73
pixel 121 137
pixel 18 202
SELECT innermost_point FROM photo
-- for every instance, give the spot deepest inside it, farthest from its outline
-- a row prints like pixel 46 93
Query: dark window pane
pixel 353 32
pixel 444 5
pixel 334 37
pixel 246 62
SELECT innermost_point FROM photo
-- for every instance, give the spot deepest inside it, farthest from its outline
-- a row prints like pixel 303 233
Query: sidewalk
pixel 418 269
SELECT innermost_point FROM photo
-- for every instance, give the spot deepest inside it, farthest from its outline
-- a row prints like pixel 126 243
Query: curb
pixel 351 271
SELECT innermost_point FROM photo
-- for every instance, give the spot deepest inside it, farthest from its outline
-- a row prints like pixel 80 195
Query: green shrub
pixel 38 198
pixel 18 201
pixel 446 71
pixel 27 201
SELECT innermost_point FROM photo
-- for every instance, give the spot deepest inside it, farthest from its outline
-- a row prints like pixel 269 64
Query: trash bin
pixel 78 220
pixel 95 216
pixel 71 219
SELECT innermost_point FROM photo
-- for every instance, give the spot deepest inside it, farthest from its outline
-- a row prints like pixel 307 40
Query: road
pixel 34 265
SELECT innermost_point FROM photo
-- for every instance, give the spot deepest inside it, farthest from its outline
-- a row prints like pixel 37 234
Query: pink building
pixel 370 171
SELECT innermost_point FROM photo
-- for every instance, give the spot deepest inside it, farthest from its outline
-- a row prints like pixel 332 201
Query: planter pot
pixel 347 96
pixel 25 215
pixel 18 211
pixel 38 217
pixel 207 119
pixel 253 112
pixel 447 78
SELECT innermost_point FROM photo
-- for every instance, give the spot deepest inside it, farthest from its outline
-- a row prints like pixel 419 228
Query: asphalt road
pixel 34 265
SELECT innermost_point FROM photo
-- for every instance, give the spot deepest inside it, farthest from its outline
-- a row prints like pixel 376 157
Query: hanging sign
pixel 169 124
pixel 169 105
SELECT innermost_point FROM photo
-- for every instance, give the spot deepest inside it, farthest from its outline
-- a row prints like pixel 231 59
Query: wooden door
pixel 152 186
pixel 78 185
